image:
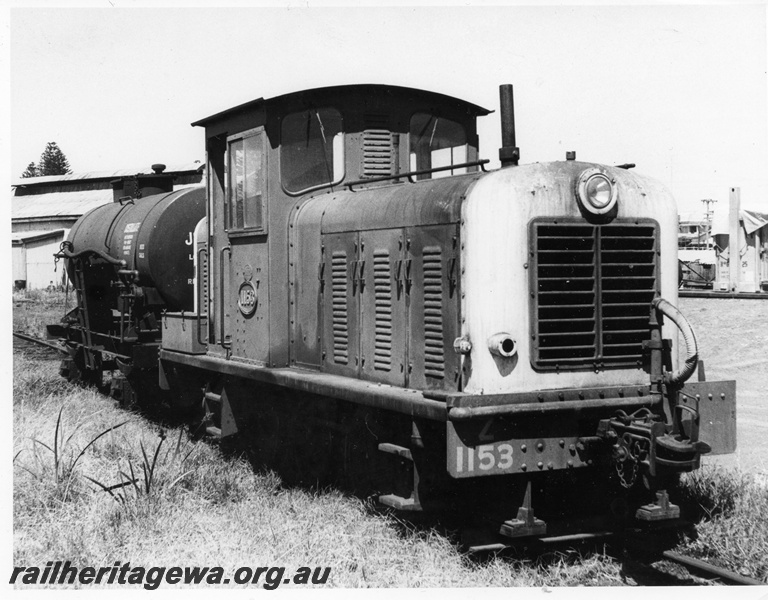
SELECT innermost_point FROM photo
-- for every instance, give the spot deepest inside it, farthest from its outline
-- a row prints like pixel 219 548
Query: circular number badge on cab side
pixel 246 298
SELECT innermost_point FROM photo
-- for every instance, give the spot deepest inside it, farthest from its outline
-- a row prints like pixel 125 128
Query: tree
pixel 31 171
pixel 52 161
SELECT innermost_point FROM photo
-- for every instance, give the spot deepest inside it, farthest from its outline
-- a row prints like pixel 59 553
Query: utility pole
pixel 709 212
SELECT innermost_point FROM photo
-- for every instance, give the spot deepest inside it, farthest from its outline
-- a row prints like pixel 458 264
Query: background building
pixel 43 210
pixel 741 241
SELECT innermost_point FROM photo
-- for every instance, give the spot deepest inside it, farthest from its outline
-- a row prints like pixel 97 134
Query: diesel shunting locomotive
pixel 354 293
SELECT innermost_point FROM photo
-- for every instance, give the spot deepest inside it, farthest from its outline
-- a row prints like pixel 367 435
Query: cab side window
pixel 436 142
pixel 247 184
pixel 311 149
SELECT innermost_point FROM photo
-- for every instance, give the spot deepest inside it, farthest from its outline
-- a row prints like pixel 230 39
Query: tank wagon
pixel 128 262
pixel 374 305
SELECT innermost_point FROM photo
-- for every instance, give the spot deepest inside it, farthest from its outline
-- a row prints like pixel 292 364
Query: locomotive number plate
pixel 482 456
pixel 487 457
pixel 497 446
pixel 246 298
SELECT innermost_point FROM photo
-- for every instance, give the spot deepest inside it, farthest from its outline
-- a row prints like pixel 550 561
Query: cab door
pixel 247 285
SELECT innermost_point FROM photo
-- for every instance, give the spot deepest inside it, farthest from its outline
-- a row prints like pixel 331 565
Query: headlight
pixel 596 191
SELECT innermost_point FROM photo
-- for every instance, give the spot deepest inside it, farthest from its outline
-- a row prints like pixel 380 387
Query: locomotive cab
pixel 267 157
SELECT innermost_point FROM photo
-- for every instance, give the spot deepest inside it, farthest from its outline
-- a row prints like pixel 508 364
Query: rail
pixel 694 564
pixel 34 340
pixel 409 175
pixel 622 553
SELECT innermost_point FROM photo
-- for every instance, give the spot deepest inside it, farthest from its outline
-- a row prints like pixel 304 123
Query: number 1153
pixel 483 458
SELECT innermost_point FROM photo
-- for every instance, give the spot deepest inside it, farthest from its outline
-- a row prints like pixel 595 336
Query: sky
pixel 680 90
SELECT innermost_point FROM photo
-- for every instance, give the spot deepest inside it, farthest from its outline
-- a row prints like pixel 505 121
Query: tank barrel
pixel 509 153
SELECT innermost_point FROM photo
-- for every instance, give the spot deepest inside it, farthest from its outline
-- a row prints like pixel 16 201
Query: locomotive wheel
pixel 185 392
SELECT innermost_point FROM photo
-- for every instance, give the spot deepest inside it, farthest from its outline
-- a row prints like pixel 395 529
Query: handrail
pixel 200 288
pixel 112 223
pixel 410 174
pixel 465 413
pixel 221 291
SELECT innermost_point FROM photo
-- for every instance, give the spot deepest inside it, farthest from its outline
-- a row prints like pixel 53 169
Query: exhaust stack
pixel 509 153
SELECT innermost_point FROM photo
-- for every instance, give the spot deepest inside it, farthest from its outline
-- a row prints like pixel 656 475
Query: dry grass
pixel 34 309
pixel 204 508
pixel 184 503
pixel 733 531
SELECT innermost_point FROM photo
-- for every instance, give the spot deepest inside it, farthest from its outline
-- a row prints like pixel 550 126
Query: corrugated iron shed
pixel 91 175
pixel 58 204
pixel 63 204
pixel 21 237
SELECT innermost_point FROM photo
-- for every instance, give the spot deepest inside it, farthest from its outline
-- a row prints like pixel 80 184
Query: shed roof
pixel 63 204
pixel 88 175
pixel 58 204
pixel 19 237
pixel 752 218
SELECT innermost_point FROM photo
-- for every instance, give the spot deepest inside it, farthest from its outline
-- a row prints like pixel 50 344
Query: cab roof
pixel 317 96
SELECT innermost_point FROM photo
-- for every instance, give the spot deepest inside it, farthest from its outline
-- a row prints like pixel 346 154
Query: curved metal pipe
pixel 103 255
pixel 692 349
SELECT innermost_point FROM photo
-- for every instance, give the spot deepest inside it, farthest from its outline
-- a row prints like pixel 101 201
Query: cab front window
pixel 311 149
pixel 436 142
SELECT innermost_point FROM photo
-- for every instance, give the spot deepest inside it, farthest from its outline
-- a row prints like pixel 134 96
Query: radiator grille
pixel 382 283
pixel 592 288
pixel 340 309
pixel 434 353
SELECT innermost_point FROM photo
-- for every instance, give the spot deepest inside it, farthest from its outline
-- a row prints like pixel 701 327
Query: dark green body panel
pixel 375 286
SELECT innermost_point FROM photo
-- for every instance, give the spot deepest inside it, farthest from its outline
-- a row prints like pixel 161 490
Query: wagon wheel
pixel 74 369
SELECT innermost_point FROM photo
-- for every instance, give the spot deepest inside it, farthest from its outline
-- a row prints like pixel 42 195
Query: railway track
pixel 694 566
pixel 709 571
pixel 642 558
pixel 33 340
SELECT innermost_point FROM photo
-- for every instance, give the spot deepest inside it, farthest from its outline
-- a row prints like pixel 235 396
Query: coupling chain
pixel 620 471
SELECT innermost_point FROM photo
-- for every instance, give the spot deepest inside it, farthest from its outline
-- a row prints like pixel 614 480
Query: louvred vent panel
pixel 339 283
pixel 434 343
